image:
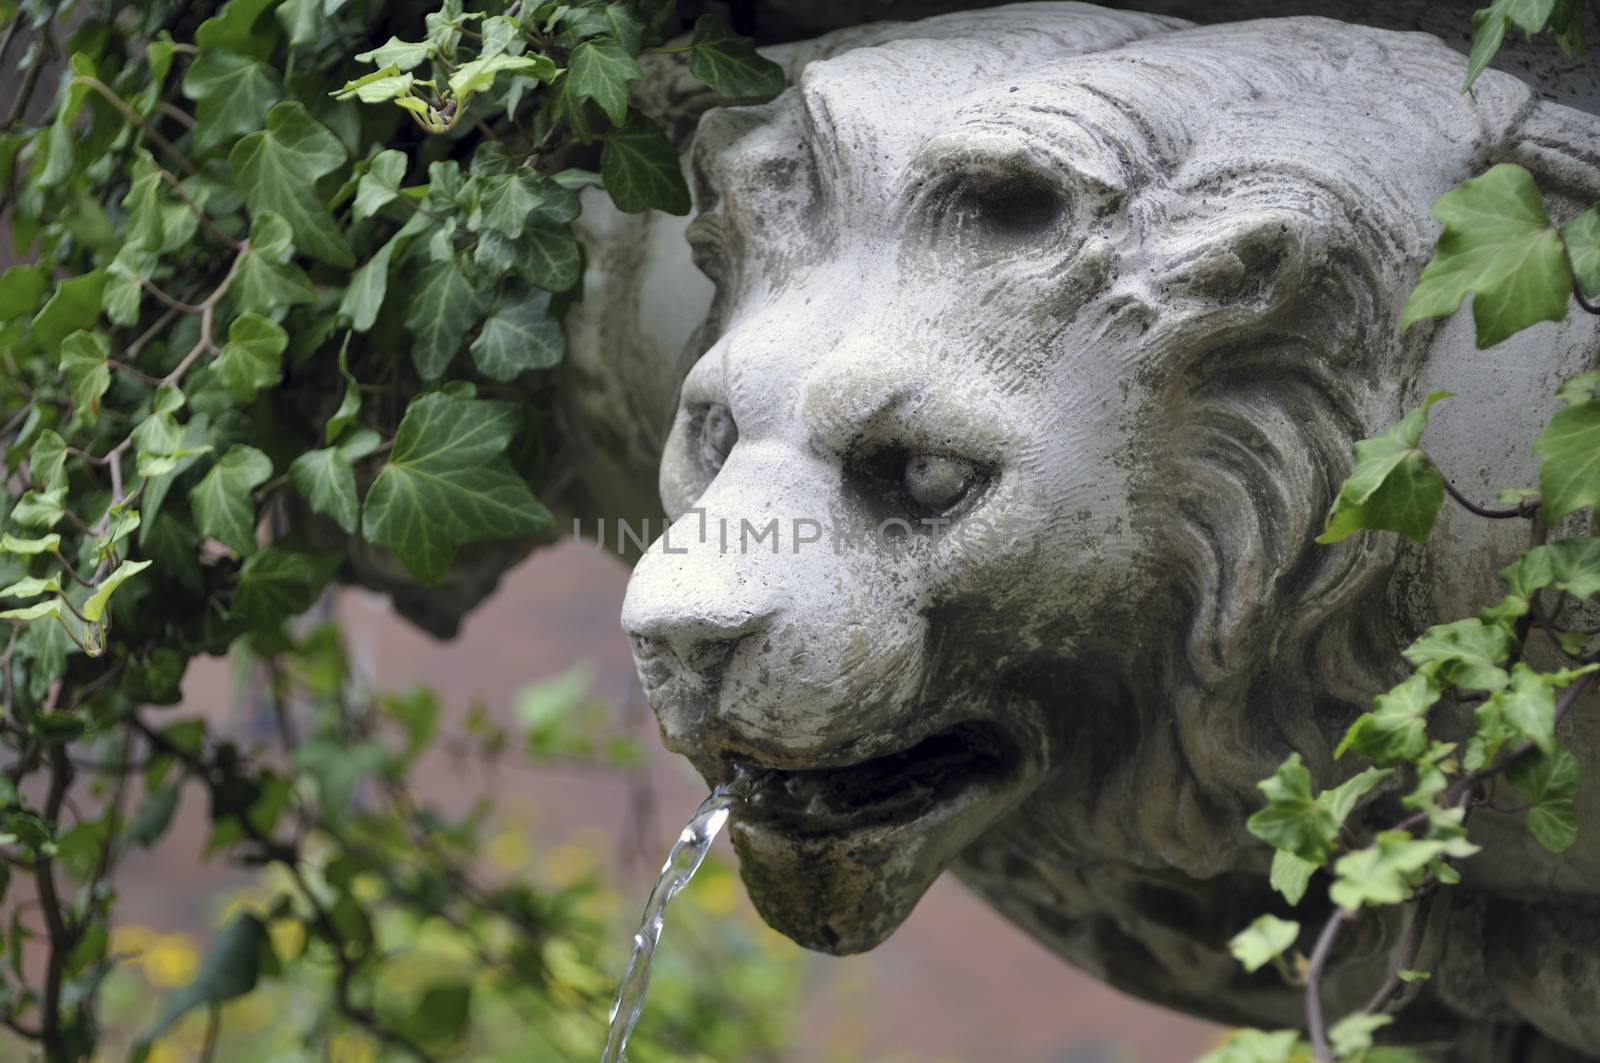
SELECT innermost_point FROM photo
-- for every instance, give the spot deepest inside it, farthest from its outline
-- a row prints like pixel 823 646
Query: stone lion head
pixel 1039 343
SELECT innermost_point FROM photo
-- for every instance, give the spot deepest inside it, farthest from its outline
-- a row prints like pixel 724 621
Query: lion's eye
pixel 937 483
pixel 718 434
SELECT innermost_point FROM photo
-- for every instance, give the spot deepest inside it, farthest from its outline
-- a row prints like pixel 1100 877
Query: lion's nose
pixel 695 642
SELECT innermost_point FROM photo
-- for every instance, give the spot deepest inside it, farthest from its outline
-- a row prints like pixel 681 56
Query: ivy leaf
pixel 640 169
pixel 1528 705
pixel 232 93
pixel 1465 654
pixel 1569 475
pixel 267 279
pixel 1582 237
pixel 1489 28
pixel 1353 1033
pixel 326 478
pixel 83 363
pixel 32 587
pixel 350 405
pixel 1294 820
pixel 505 202
pixel 44 544
pixel 277 170
pixel 600 70
pixel 40 509
pixel 21 288
pixel 405 55
pixel 1291 875
pixel 1550 782
pixel 519 336
pixel 380 86
pixel 1569 565
pixel 447 482
pixel 253 356
pixel 1259 1046
pixel 549 256
pixel 229 970
pixel 379 185
pixel 368 285
pixel 222 503
pixel 1393 486
pixel 1263 941
pixel 142 207
pixel 1387 871
pixel 1499 246
pixel 75 305
pixel 94 607
pixel 280 582
pixel 730 63
pixel 479 74
pixel 36 611
pixel 1396 730
pixel 444 308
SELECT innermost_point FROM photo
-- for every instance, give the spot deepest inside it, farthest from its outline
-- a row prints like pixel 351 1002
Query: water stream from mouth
pixel 684 860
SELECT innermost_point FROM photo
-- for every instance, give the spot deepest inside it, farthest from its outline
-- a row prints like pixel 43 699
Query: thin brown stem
pixel 205 219
pixel 207 310
pixel 58 934
pixel 137 120
pixel 1410 947
pixel 1315 1025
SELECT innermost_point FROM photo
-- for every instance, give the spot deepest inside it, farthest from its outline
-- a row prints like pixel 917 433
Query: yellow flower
pixel 288 938
pixel 508 850
pixel 716 895
pixel 130 939
pixel 350 1048
pixel 170 960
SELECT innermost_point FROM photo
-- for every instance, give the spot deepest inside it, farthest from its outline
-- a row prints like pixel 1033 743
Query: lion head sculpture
pixel 1040 339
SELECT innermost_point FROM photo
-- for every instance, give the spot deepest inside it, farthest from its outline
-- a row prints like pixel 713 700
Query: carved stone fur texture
pixel 1039 340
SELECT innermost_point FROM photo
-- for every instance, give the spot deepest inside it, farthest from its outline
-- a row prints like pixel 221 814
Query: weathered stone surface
pixel 1093 303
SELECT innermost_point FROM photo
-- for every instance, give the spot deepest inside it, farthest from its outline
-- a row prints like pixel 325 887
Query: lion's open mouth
pixel 896 788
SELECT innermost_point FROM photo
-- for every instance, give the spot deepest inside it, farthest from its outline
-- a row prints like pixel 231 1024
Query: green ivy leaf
pixel 40 509
pixel 1264 940
pixel 1549 781
pixel 1387 871
pixel 94 607
pixel 1569 565
pixel 280 582
pixel 640 169
pixel 277 170
pixel 252 358
pixel 518 336
pixel 83 363
pixel 406 55
pixel 1499 246
pixel 505 202
pixel 1393 486
pixel 21 288
pixel 229 970
pixel 444 308
pixel 1489 28
pixel 1466 654
pixel 75 305
pixel 479 74
pixel 447 483
pixel 548 256
pixel 1291 875
pixel 368 285
pixel 267 280
pixel 1396 730
pixel 1582 237
pixel 232 93
pixel 730 63
pixel 600 70
pixel 379 185
pixel 32 587
pixel 1259 1046
pixel 350 405
pixel 1294 820
pixel 1569 475
pixel 222 503
pixel 1353 1033
pixel 326 478
pixel 380 86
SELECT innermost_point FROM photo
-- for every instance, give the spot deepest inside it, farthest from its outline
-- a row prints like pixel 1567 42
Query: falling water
pixel 684 860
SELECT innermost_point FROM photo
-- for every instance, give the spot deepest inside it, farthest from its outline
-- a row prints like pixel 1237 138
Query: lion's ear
pixel 1256 261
